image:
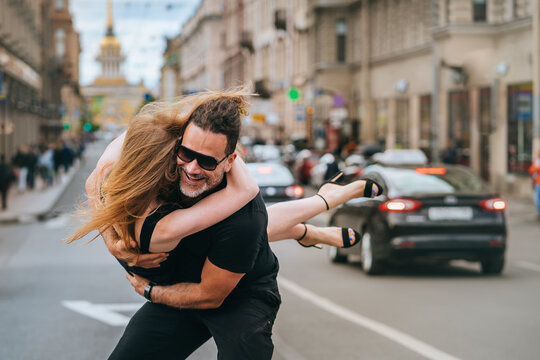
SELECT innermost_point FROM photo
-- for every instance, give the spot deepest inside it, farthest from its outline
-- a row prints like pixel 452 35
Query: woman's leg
pixel 283 216
pixel 315 235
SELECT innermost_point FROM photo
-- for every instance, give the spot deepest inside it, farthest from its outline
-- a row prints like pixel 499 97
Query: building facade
pixel 171 82
pixel 425 74
pixel 61 50
pixel 435 74
pixel 21 107
pixel 39 74
pixel 201 48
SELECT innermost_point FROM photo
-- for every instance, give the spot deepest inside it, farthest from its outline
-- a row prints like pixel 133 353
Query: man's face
pixel 194 180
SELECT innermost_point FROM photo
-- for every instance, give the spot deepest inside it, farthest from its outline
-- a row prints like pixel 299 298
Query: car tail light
pixel 492 204
pixel 294 191
pixel 431 171
pixel 400 205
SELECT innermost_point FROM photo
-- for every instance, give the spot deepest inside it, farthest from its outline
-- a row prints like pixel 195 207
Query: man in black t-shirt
pixel 229 289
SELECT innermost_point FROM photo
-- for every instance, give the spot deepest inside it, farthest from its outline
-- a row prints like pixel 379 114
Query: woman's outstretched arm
pixel 241 188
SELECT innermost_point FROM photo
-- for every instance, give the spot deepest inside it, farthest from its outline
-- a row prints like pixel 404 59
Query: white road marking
pixel 106 313
pixel 528 265
pixel 407 341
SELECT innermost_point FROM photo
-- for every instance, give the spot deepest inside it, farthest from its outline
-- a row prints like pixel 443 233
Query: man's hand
pixel 147 261
pixel 138 283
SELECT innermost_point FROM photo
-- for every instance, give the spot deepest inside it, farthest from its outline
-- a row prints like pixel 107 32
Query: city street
pixel 61 301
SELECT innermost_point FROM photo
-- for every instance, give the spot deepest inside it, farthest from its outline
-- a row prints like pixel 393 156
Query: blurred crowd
pixel 36 167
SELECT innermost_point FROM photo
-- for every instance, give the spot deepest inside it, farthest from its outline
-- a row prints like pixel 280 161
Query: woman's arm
pixel 115 246
pixel 241 188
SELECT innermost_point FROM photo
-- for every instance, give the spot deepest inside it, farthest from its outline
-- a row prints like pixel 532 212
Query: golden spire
pixel 110 31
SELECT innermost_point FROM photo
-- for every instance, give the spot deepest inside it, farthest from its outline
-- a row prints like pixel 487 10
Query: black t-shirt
pixel 238 244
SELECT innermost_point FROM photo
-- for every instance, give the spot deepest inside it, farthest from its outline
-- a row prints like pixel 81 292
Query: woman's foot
pixel 333 236
pixel 334 194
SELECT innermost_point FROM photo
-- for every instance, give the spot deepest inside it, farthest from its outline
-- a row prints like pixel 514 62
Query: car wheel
pixel 335 256
pixel 492 265
pixel 370 264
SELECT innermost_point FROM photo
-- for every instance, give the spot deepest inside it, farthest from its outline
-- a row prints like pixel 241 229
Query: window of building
pixel 485 129
pixel 402 124
pixel 519 127
pixel 425 123
pixel 459 126
pixel 60 4
pixel 60 43
pixel 479 10
pixel 341 37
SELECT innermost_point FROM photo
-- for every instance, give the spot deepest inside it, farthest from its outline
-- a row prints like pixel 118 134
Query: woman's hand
pixel 147 261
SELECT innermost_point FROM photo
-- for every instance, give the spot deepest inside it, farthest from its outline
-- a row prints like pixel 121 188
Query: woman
pixel 140 186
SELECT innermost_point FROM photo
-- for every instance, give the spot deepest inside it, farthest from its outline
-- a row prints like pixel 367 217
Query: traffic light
pixel 294 94
pixel 87 126
pixel 66 126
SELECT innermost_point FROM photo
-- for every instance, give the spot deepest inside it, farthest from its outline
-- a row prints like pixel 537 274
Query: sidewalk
pixel 34 204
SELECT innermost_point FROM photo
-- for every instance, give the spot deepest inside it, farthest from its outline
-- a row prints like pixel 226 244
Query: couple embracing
pixel 179 210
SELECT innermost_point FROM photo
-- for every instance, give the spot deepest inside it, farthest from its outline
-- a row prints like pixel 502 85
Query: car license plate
pixel 450 213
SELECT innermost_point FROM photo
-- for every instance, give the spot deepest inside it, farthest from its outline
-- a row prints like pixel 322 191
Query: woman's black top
pixel 238 244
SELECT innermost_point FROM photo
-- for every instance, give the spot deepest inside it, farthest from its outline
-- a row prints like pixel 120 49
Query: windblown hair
pixel 146 169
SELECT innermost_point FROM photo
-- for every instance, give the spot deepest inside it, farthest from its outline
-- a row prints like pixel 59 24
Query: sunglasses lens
pixel 185 154
pixel 205 162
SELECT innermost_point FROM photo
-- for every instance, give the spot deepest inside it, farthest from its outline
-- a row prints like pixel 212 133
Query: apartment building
pixel 386 61
pixel 201 43
pixel 20 74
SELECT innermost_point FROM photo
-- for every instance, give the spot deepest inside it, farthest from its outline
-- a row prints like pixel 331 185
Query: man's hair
pixel 221 116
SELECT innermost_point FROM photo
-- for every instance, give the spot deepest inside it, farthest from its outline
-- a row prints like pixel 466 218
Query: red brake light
pixel 431 171
pixel 294 191
pixel 492 204
pixel 399 205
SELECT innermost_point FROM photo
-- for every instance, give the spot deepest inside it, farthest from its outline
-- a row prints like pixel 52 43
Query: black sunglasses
pixel 206 162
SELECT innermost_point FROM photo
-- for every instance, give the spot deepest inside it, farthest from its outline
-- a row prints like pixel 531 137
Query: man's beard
pixel 208 185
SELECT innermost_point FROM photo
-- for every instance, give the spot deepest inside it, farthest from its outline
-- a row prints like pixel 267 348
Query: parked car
pixel 439 213
pixel 266 153
pixel 275 181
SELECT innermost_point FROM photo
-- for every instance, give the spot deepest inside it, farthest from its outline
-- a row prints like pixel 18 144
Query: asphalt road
pixel 61 301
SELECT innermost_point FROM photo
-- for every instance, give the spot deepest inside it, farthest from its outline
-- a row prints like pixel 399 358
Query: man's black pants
pixel 241 328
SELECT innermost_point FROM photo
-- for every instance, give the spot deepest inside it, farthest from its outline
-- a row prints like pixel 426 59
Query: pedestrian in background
pixel 7 176
pixel 534 170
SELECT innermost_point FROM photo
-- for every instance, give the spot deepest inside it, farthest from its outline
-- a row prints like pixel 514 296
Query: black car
pixel 440 213
pixel 275 181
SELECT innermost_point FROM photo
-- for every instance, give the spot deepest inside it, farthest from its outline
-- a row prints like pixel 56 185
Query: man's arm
pixel 216 284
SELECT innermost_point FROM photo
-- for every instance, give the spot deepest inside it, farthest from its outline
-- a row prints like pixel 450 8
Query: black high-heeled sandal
pixel 331 181
pixel 318 246
pixel 369 192
pixel 347 238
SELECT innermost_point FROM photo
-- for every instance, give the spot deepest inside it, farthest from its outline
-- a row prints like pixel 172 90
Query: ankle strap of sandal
pixel 325 202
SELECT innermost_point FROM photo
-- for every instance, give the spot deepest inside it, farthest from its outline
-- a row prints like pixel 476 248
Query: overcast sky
pixel 140 25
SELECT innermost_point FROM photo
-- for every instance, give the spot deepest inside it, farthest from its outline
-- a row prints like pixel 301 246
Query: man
pixel 229 290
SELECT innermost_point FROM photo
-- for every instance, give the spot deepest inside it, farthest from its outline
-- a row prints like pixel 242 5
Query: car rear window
pixel 271 175
pixel 409 181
